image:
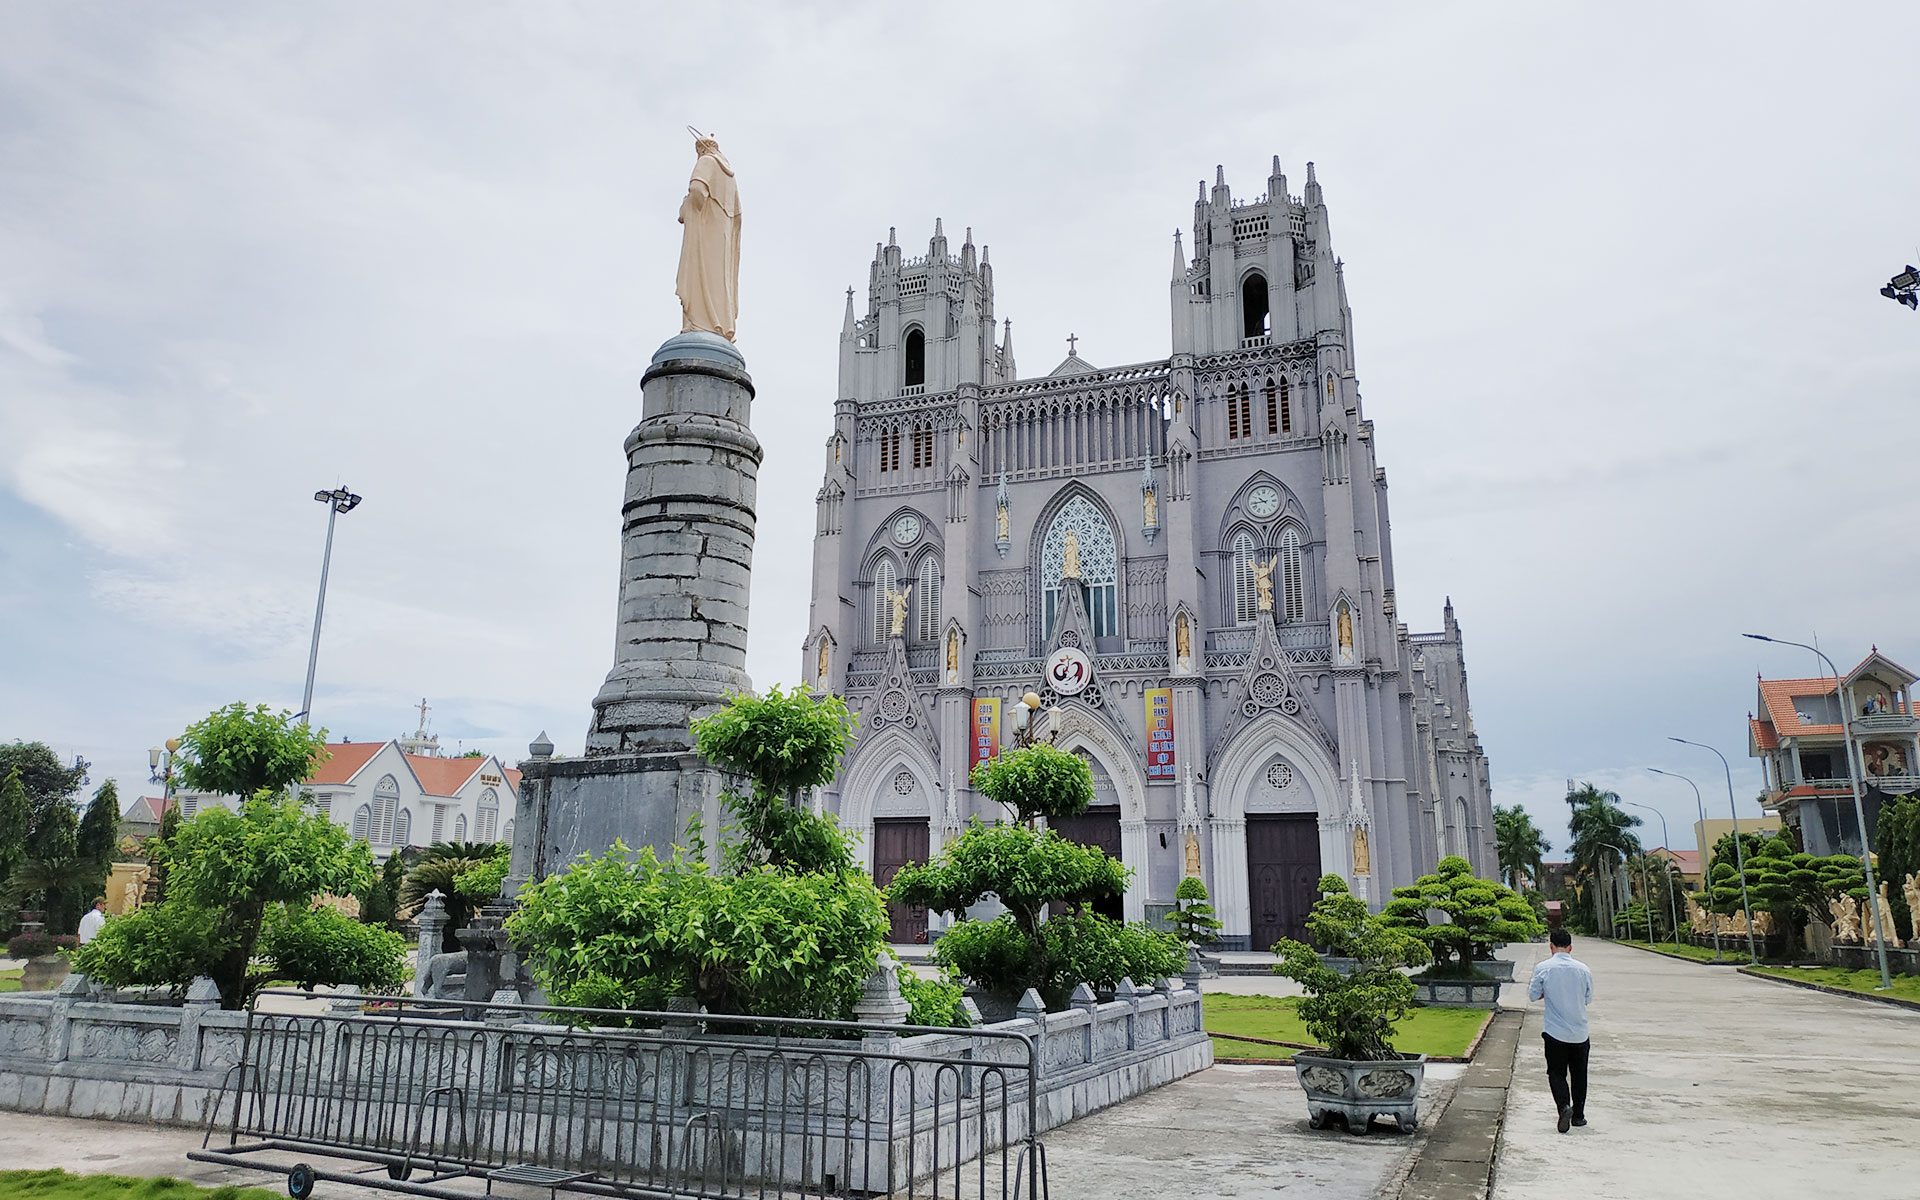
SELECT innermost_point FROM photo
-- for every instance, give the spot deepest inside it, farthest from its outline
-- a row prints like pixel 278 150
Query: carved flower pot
pixel 43 974
pixel 1360 1091
pixel 1458 993
pixel 1499 968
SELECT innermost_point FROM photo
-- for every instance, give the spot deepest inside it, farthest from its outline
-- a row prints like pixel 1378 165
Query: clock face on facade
pixel 906 528
pixel 1264 501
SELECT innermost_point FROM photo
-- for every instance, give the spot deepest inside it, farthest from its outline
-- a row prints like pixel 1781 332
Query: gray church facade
pixel 1189 559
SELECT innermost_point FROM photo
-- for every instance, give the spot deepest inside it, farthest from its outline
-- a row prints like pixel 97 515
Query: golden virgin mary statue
pixel 709 281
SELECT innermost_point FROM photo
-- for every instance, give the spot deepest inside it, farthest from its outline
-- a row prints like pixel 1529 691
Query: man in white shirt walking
pixel 91 923
pixel 1566 984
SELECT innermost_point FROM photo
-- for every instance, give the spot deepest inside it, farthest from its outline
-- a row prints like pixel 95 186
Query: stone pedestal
pixel 680 647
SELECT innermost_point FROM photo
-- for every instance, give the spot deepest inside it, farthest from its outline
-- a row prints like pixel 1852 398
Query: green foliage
pixel 58 1185
pixel 1479 911
pixel 1519 844
pixel 1066 951
pixel 1791 885
pixel 310 947
pixel 1896 838
pixel 237 863
pixel 784 743
pixel 161 945
pixel 237 751
pixel 1353 1014
pixel 16 812
pixel 49 785
pixel 1024 868
pixel 441 869
pixel 623 931
pixel 478 885
pixel 1599 825
pixel 1036 781
pixel 933 1001
pixel 1193 918
pixel 380 903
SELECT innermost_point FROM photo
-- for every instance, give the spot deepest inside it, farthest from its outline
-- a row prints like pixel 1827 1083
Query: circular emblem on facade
pixel 1268 689
pixel 903 783
pixel 1263 501
pixel 893 705
pixel 906 528
pixel 1069 671
pixel 1279 776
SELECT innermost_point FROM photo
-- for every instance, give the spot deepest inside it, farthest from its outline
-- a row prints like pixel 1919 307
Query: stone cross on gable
pixel 422 706
pixel 1071 339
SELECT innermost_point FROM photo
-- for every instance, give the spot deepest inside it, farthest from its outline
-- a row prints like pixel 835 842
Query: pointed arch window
pixel 362 822
pixel 915 355
pixel 890 450
pixel 1254 308
pixel 403 828
pixel 1246 595
pixel 884 581
pixel 486 814
pixel 926 601
pixel 460 828
pixel 1293 601
pixel 1286 408
pixel 1098 566
pixel 922 446
pixel 386 802
pixel 1239 411
pixel 506 832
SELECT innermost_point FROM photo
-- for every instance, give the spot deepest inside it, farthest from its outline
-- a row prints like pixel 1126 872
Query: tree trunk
pixel 230 975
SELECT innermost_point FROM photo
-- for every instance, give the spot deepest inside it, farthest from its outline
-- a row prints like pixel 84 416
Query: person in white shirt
pixel 91 923
pixel 1566 984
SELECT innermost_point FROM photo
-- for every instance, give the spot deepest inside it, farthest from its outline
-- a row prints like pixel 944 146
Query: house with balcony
pixel 1814 739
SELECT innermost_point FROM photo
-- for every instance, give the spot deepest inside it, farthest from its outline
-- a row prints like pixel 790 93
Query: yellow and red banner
pixel 986 730
pixel 1159 733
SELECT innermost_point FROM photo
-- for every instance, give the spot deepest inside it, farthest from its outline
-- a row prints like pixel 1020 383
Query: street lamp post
pixel 1739 854
pixel 1673 908
pixel 338 501
pixel 1706 882
pixel 1646 905
pixel 160 770
pixel 1859 808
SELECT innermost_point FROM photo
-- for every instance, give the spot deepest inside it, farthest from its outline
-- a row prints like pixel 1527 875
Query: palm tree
pixel 1601 830
pixel 438 870
pixel 1519 843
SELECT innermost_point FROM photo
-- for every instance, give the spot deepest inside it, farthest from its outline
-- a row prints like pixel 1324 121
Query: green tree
pixel 1788 883
pixel 1036 781
pixel 440 869
pixel 50 785
pixel 1601 830
pixel 1193 918
pixel 16 812
pixel 784 743
pixel 244 752
pixel 1519 844
pixel 1896 838
pixel 1352 1013
pixel 380 904
pixel 1479 912
pixel 236 864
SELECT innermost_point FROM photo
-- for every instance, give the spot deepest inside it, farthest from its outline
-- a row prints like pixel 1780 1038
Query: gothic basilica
pixel 1187 559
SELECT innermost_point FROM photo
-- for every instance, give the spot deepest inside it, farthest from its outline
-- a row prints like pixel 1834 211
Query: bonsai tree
pixel 442 869
pixel 786 926
pixel 1479 912
pixel 1193 918
pixel 1787 883
pixel 1027 869
pixel 1352 1014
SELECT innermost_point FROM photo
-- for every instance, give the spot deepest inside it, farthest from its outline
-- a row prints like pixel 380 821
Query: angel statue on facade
pixel 1263 580
pixel 898 599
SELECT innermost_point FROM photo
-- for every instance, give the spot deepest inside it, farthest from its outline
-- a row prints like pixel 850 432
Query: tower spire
pixel 1179 259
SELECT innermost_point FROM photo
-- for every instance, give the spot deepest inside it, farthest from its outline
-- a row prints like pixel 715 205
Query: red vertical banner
pixel 986 730
pixel 1159 733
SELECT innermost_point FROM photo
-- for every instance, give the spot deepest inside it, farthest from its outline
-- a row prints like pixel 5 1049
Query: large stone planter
pixel 1499 968
pixel 1360 1091
pixel 1458 993
pixel 44 974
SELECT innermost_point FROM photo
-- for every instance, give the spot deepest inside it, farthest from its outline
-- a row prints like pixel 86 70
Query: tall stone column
pixel 686 549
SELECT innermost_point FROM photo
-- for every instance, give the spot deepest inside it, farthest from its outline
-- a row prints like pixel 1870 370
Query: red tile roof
pixel 1687 860
pixel 1763 734
pixel 1777 697
pixel 344 761
pixel 443 776
pixel 513 777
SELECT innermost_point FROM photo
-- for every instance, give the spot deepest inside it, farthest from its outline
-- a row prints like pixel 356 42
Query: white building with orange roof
pixel 391 795
pixel 1798 735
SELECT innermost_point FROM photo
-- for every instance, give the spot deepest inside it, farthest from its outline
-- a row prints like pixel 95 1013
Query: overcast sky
pixel 1613 273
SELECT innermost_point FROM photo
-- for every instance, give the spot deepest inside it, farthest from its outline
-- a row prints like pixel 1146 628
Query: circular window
pixel 1268 689
pixel 1279 776
pixel 903 783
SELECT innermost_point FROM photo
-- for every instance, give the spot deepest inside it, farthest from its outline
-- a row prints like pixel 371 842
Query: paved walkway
pixel 1708 1083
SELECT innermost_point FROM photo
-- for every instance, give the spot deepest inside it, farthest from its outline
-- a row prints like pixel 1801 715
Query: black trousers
pixel 1564 1059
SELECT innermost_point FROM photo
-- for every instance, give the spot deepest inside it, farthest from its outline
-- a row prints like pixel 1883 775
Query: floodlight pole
pixel 1859 809
pixel 1706 882
pixel 1739 854
pixel 1673 908
pixel 338 501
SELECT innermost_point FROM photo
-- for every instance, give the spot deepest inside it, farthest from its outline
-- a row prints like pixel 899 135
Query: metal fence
pixel 625 1103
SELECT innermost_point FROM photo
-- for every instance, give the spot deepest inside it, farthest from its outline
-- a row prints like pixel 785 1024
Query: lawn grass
pixel 10 980
pixel 1432 1030
pixel 58 1185
pixel 1905 987
pixel 1694 953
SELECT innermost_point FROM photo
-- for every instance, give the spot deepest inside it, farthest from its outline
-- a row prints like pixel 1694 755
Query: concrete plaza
pixel 1708 1083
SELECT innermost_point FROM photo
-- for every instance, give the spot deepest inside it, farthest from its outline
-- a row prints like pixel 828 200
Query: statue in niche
pixel 1150 508
pixel 1263 582
pixel 1362 854
pixel 1070 556
pixel 1000 523
pixel 898 599
pixel 1183 642
pixel 709 280
pixel 824 651
pixel 1344 634
pixel 953 656
pixel 1193 853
